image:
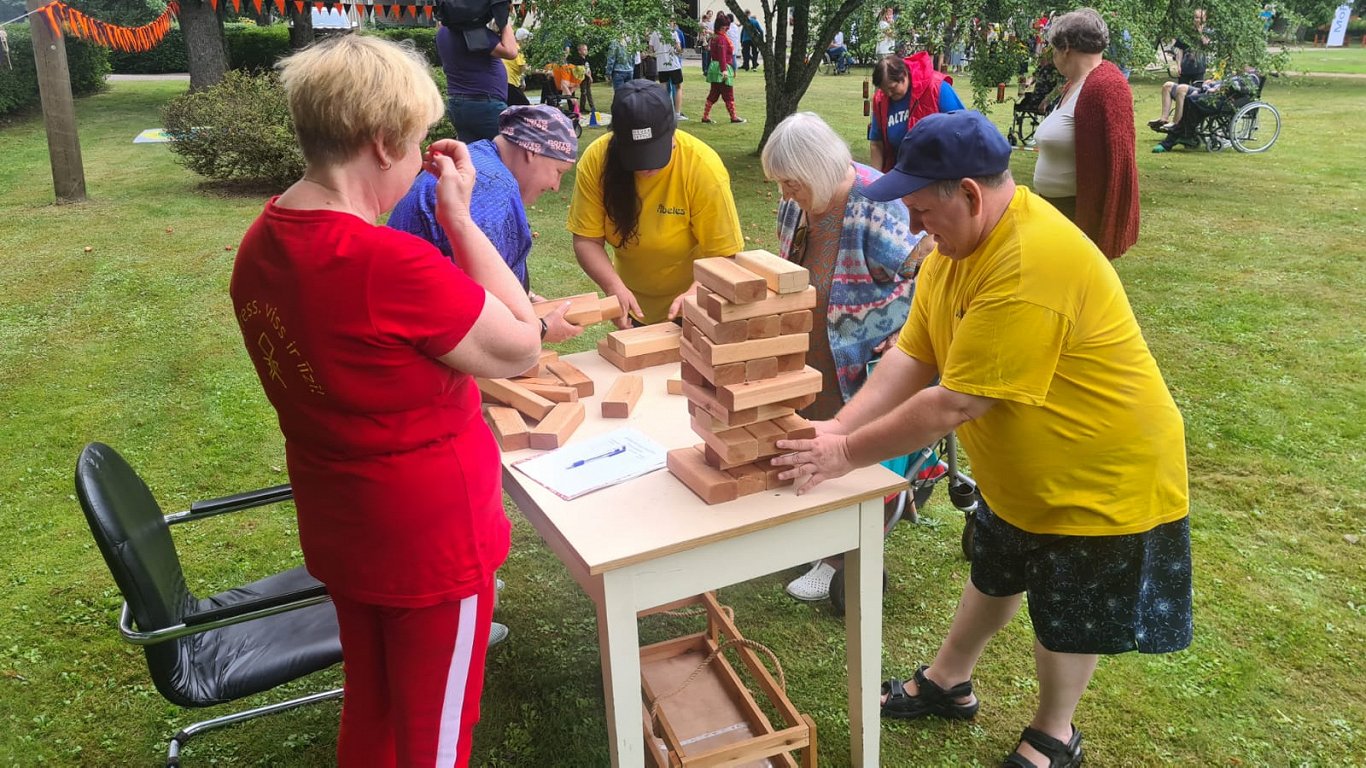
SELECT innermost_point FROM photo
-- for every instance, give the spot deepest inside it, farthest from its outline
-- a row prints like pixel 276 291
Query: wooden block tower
pixel 743 348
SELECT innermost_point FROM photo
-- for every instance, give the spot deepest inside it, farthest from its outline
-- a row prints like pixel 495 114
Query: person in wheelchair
pixel 837 53
pixel 1201 102
pixel 1036 103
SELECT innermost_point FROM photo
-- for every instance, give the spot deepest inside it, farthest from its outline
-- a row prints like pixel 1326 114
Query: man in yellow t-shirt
pixel 661 198
pixel 1076 444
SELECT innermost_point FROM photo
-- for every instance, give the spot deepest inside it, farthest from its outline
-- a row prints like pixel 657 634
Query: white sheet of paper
pixel 601 462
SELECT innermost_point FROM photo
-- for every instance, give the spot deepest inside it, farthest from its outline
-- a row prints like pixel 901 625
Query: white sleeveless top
pixel 1055 175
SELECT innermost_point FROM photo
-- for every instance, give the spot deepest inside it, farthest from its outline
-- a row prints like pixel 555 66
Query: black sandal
pixel 1059 755
pixel 929 699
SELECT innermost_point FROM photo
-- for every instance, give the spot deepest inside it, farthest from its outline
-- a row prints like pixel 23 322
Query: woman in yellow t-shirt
pixel 659 197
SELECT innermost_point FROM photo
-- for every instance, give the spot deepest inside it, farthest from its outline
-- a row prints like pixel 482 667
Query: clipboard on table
pixel 591 465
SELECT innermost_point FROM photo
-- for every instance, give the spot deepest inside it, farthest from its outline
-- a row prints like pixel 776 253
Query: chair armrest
pixel 203 621
pixel 235 503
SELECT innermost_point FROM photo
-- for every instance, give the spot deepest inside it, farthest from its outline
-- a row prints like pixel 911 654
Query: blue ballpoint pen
pixel 613 452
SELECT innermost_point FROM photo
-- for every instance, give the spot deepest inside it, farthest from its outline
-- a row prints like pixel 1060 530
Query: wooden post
pixel 59 112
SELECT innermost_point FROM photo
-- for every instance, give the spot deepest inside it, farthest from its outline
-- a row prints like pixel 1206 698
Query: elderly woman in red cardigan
pixel 1086 165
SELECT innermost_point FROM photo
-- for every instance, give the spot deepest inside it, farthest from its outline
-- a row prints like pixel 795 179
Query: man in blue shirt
pixel 748 48
pixel 534 147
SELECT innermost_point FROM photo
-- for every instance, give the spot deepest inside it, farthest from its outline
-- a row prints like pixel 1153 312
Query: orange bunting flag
pixel 214 5
pixel 280 6
pixel 427 9
pixel 412 11
pixel 299 7
pixel 257 5
pixel 61 16
pixel 236 6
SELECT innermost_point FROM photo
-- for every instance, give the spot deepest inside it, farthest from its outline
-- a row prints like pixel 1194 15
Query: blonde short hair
pixel 805 150
pixel 348 90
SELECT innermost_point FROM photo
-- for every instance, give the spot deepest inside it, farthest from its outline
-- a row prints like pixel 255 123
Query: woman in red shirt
pixel 721 71
pixel 365 340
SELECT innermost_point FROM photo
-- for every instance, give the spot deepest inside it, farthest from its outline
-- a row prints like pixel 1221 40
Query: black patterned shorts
pixel 1092 594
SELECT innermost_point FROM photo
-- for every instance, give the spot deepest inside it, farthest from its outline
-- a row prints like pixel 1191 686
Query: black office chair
pixel 203 651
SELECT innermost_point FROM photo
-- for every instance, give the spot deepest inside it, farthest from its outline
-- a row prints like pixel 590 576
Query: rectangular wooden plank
pixel 762 413
pixel 711 485
pixel 734 446
pixel 800 321
pixel 629 364
pixel 749 478
pixel 740 351
pixel 751 394
pixel 781 275
pixel 761 368
pixel 718 308
pixel 721 333
pixel 771 472
pixel 727 278
pixel 793 362
pixel 762 327
pixel 674 385
pixel 555 429
pixel 704 397
pixel 609 307
pixel 767 433
pixel 555 393
pixel 795 427
pixel 621 398
pixel 730 373
pixel 507 393
pixel 577 303
pixel 571 376
pixel 507 427
pixel 631 342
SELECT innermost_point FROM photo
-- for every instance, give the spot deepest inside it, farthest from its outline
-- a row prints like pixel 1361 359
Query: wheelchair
pixel 836 66
pixel 552 93
pixel 1234 115
pixel 1034 105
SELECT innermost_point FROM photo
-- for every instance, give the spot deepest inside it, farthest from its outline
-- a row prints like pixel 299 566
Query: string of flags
pixel 62 17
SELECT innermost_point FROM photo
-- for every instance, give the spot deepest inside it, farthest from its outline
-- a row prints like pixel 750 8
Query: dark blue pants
pixel 475 119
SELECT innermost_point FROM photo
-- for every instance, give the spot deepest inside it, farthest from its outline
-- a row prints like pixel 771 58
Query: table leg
pixel 863 634
pixel 619 647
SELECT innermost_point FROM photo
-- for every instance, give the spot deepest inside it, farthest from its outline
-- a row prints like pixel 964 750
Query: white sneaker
pixel 680 117
pixel 814 584
pixel 498 633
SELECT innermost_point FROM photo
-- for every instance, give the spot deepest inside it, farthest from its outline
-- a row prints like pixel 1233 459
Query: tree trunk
pixel 205 45
pixel 300 27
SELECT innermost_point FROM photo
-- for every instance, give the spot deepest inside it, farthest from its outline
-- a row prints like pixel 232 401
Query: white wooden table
pixel 650 541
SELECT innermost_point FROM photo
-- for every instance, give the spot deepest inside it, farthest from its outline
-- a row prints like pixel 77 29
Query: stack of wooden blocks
pixel 743 348
pixel 547 395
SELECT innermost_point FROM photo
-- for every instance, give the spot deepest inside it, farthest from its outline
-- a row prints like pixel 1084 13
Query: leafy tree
pixel 596 23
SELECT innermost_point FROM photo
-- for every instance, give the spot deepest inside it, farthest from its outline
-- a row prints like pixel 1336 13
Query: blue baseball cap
pixel 944 146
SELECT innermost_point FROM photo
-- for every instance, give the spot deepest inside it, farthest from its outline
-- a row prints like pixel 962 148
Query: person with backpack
pixel 472 56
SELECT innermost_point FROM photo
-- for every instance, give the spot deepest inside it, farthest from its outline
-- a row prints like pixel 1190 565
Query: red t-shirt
pixel 396 478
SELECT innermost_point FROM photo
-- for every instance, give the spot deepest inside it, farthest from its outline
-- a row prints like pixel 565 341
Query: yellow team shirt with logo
pixel 515 67
pixel 687 212
pixel 1084 438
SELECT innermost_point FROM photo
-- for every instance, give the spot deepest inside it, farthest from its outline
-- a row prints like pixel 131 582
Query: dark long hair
pixel 619 197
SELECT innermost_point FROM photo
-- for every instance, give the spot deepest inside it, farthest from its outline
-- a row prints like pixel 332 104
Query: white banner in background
pixel 1338 31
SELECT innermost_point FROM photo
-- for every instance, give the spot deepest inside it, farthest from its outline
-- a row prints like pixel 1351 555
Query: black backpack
pixel 476 20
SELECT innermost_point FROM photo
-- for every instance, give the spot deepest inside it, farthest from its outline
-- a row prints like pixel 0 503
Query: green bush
pixel 424 38
pixel 87 63
pixel 238 130
pixel 254 48
pixel 168 56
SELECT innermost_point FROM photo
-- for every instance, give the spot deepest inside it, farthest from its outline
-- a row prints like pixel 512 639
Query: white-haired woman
pixel 862 257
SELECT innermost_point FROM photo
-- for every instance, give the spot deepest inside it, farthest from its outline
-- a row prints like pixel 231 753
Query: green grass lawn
pixel 1351 59
pixel 1248 280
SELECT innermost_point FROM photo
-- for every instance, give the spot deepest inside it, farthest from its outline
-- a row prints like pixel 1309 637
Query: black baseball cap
pixel 944 146
pixel 643 125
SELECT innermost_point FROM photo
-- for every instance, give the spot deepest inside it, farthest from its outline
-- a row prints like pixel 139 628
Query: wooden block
pixel 795 427
pixel 711 485
pixel 507 393
pixel 740 351
pixel 704 398
pixel 771 472
pixel 690 375
pixel 795 322
pixel 726 278
pixel 555 393
pixel 762 368
pixel 781 275
pixel 621 399
pixel 715 375
pixel 544 381
pixel 629 364
pixel 767 433
pixel 577 303
pixel 571 376
pixel 734 446
pixel 776 304
pixel 751 394
pixel 507 427
pixel 609 307
pixel 555 429
pixel 793 362
pixel 714 459
pixel 721 333
pixel 632 342
pixel 674 385
pixel 749 478
pixel 762 327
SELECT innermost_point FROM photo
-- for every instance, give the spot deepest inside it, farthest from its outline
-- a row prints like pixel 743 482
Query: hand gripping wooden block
pixel 555 429
pixel 725 277
pixel 711 485
pixel 508 393
pixel 721 309
pixel 781 275
pixel 578 303
pixel 633 342
pixel 507 427
pixel 768 433
pixel 638 362
pixel 571 376
pixel 751 394
pixel 621 399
